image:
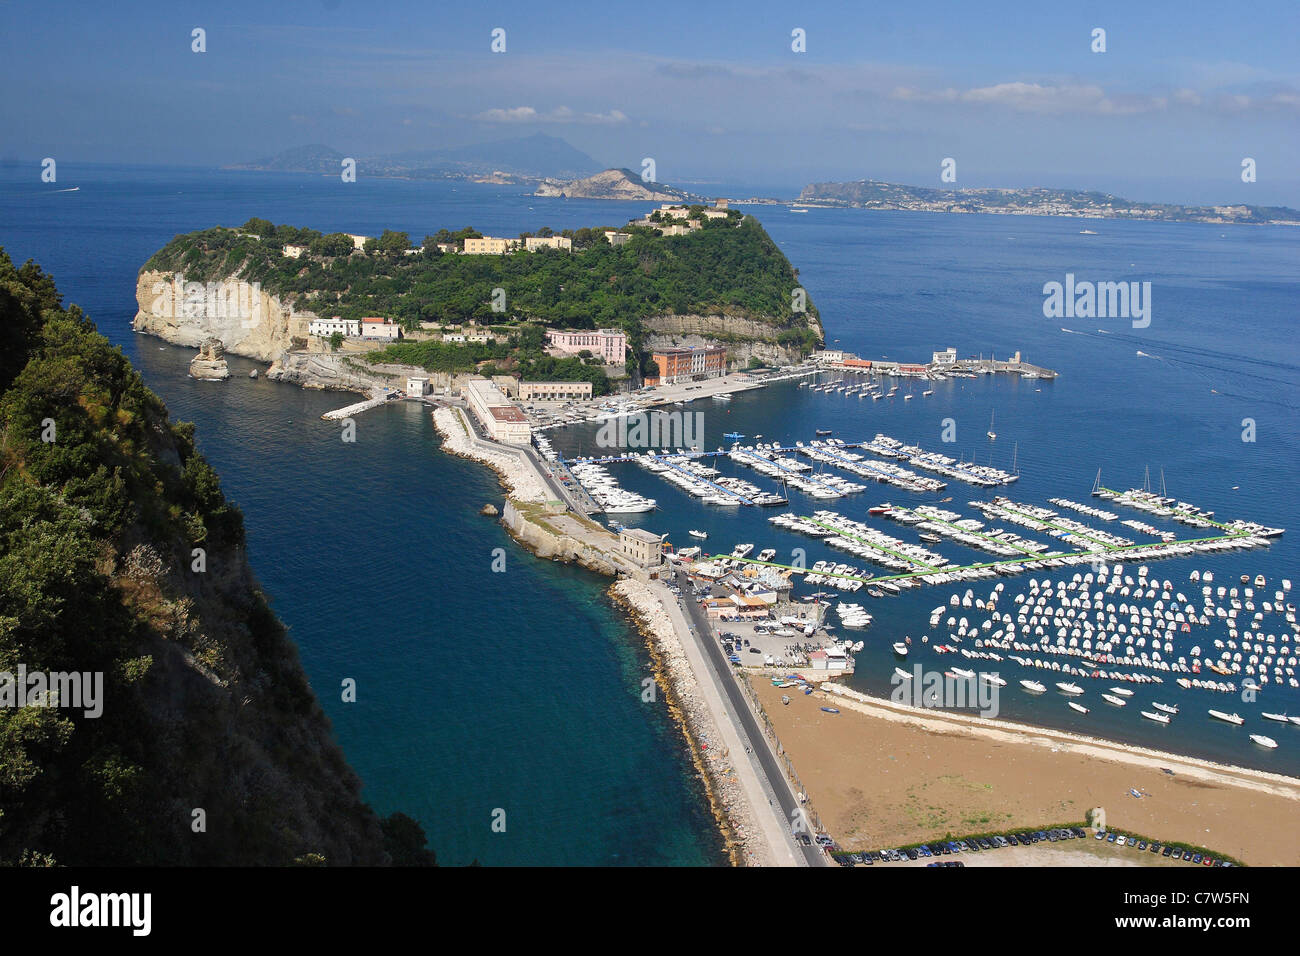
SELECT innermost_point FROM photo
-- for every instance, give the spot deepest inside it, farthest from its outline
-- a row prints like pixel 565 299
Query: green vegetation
pixel 729 266
pixel 119 555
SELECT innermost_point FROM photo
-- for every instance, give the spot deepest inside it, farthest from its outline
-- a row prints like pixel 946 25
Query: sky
pixel 712 91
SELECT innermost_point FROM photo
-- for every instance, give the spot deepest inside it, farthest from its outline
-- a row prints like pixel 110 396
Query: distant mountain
pixel 1035 201
pixel 527 157
pixel 612 184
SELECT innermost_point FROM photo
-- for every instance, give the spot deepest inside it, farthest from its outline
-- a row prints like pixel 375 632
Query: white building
pixel 490 246
pixel 453 337
pixel 358 242
pixel 616 238
pixel 609 344
pixel 501 418
pixel 293 252
pixel 832 356
pixel 377 328
pixel 327 327
pixel 946 357
pixel 417 387
pixel 533 243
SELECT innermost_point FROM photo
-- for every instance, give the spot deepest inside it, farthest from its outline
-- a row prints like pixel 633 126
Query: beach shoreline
pixel 934 774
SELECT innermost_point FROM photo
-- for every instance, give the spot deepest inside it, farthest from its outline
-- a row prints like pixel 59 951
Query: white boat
pixel 1033 686
pixel 698 534
pixel 1166 708
pixel 902 673
pixel 1263 741
pixel 1112 699
pixel 1280 718
pixel 900 648
pixel 993 679
pixel 969 675
pixel 1230 718
pixel 1158 718
pixel 1069 688
pixel 1121 691
pixel 992 434
pixel 1079 707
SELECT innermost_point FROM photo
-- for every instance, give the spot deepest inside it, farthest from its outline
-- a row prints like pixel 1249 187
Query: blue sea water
pixel 520 690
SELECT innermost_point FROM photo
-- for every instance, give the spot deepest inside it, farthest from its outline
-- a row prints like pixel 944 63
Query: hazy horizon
pixel 1013 93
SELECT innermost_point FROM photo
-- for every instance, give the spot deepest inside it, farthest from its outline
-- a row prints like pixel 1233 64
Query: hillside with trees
pixel 121 556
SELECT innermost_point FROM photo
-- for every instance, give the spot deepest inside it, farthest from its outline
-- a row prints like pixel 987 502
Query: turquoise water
pixel 521 690
pixel 476 691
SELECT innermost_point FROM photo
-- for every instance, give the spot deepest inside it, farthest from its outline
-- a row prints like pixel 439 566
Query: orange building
pixel 685 364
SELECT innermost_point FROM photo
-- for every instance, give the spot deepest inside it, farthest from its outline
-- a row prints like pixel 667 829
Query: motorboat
pixel 1033 686
pixel 1079 707
pixel 1230 718
pixel 1166 708
pixel 1112 699
pixel 1158 718
pixel 698 534
pixel 1263 741
pixel 1069 688
pixel 900 648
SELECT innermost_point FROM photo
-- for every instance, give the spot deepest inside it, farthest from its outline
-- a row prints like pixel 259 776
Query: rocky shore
pixel 735 816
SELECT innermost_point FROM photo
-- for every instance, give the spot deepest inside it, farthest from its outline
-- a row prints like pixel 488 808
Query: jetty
pixel 357 408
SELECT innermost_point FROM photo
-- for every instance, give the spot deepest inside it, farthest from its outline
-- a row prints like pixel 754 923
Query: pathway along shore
pixel 753 836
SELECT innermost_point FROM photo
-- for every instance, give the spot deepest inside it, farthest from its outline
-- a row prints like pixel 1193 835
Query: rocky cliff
pixel 610 184
pixel 245 319
pixel 744 338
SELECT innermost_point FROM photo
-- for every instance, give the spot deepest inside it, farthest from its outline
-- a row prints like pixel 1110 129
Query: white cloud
pixel 561 114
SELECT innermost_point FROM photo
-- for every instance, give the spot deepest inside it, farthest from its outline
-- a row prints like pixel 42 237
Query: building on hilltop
pixel 490 246
pixel 690 364
pixel 609 344
pixel 533 243
pixel 293 252
pixel 615 238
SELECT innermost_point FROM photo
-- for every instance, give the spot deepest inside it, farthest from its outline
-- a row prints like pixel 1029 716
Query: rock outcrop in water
pixel 210 363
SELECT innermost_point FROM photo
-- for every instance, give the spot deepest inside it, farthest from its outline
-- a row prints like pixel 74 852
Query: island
pixel 1036 201
pixel 588 305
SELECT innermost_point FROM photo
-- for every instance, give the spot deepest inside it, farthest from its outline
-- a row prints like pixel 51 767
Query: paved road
pixel 776 779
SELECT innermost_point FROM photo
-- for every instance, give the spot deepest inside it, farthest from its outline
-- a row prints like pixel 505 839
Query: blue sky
pixel 712 91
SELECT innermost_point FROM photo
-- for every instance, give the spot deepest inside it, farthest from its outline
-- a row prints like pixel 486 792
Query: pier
pixel 347 412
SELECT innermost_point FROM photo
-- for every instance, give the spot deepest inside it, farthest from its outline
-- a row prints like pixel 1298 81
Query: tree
pixel 334 244
pixel 405 841
pixel 336 341
pixel 394 243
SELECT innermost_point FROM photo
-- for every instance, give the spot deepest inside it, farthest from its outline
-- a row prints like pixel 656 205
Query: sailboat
pixel 992 433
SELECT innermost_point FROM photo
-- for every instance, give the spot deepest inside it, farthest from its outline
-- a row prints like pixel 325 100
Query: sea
pixel 499 697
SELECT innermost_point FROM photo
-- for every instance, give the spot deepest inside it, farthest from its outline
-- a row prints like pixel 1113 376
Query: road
pixel 757 742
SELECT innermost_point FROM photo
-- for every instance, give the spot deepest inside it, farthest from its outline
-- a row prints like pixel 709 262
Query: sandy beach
pixel 882 775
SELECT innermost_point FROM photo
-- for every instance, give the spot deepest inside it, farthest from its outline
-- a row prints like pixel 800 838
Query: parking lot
pixel 1058 847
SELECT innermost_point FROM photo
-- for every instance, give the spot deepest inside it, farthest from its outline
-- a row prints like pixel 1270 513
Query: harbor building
pixel 417 387
pixel 609 344
pixel 327 327
pixel 501 419
pixel 946 357
pixel 378 328
pixel 828 355
pixel 490 246
pixel 554 391
pixel 533 243
pixel 690 364
pixel 641 546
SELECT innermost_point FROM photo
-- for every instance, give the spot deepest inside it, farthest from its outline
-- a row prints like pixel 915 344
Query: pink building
pixel 609 344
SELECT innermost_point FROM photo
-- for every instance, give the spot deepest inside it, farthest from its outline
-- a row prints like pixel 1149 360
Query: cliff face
pixel 743 337
pixel 610 184
pixel 120 556
pixel 245 319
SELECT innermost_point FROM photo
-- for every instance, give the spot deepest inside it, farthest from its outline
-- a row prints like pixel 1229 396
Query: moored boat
pixel 1166 708
pixel 1069 688
pixel 1263 741
pixel 698 534
pixel 1112 699
pixel 1158 718
pixel 1230 718
pixel 1033 686
pixel 1079 707
pixel 900 648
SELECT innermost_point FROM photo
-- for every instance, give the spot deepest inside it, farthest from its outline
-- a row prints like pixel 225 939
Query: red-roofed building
pixel 375 327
